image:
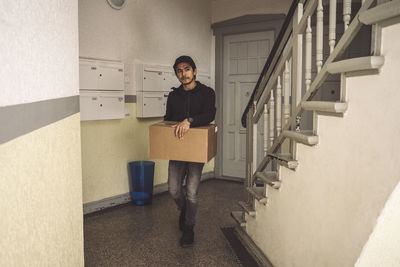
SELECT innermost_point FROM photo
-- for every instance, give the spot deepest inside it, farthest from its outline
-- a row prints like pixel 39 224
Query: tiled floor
pixel 130 235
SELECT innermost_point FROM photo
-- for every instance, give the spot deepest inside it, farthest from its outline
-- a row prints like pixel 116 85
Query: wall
pixel 383 244
pixel 229 9
pixel 151 31
pixel 40 156
pixel 382 247
pixel 325 211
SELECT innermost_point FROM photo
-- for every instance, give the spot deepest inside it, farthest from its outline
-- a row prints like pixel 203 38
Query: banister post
pixel 320 36
pixel 308 54
pixel 249 151
pixel 265 132
pixel 255 132
pixel 297 65
pixel 346 13
pixel 285 147
pixel 332 25
pixel 271 119
pixel 278 104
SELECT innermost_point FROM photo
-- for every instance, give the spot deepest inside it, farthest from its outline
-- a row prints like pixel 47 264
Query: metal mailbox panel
pixel 101 105
pixel 112 105
pixel 151 104
pixel 111 76
pixel 88 76
pixel 154 81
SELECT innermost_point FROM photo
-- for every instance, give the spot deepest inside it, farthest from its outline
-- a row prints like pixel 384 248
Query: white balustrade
pixel 308 53
pixel 271 119
pixel 255 138
pixel 288 78
pixel 297 58
pixel 265 129
pixel 320 35
pixel 286 90
pixel 346 13
pixel 278 107
pixel 332 25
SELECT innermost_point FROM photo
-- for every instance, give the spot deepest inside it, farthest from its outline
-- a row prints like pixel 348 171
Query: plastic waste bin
pixel 142 176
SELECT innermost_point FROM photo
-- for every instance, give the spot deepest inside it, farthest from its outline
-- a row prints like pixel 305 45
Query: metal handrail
pixel 273 57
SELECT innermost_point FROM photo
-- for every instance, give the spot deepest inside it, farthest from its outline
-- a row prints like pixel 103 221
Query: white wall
pixel 32 61
pixel 229 9
pixel 151 31
pixel 382 248
pixel 40 172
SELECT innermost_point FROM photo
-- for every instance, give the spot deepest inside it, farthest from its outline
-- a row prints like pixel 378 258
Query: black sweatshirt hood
pixel 198 104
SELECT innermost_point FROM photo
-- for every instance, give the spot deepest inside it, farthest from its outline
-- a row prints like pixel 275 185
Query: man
pixel 191 104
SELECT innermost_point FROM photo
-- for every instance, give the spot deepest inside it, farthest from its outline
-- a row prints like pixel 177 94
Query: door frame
pixel 244 24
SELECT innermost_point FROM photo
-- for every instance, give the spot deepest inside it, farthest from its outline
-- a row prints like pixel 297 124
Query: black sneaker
pixel 187 238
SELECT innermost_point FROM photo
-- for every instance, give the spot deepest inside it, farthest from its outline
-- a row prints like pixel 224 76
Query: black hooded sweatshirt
pixel 198 104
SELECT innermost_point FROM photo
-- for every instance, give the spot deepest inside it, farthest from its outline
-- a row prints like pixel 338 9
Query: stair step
pixel 249 210
pixel 380 13
pixel 304 137
pixel 356 64
pixel 323 106
pixel 284 160
pixel 257 193
pixel 269 178
pixel 238 216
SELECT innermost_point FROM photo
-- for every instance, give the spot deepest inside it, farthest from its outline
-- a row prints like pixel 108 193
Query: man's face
pixel 185 73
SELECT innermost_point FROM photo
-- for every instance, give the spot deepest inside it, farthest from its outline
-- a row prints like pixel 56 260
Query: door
pixel 244 58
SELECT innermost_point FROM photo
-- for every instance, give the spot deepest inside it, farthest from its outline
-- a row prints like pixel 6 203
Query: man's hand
pixel 181 128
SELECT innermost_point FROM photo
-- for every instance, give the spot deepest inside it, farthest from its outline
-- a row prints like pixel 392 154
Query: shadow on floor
pixel 130 235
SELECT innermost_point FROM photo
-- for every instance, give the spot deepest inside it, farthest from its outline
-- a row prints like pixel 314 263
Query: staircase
pixel 325 186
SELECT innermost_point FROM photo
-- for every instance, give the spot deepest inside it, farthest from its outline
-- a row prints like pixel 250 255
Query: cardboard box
pixel 199 144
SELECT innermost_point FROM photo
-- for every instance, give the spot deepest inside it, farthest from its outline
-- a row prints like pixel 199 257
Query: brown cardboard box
pixel 199 144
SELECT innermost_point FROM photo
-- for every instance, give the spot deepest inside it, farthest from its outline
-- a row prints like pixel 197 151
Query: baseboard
pixel 206 176
pixel 229 178
pixel 127 197
pixel 252 248
pixel 106 203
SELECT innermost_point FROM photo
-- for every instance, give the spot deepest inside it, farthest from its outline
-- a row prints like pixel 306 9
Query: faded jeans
pixel 185 199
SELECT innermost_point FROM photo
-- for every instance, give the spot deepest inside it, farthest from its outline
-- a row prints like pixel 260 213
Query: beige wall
pixel 151 31
pixel 41 192
pixel 382 248
pixel 229 9
pixel 40 172
pixel 325 210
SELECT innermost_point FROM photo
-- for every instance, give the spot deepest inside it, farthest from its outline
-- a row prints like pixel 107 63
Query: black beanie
pixel 185 59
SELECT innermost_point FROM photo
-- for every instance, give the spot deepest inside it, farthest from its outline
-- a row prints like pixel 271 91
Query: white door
pixel 244 58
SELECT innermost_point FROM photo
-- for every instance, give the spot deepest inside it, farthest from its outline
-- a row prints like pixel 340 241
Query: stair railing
pixel 283 76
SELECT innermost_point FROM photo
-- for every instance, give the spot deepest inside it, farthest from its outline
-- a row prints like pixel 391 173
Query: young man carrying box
pixel 191 104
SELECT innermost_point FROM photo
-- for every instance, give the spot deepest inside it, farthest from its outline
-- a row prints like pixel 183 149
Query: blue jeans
pixel 177 171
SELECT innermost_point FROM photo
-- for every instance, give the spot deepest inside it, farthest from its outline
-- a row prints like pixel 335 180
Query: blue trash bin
pixel 142 176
